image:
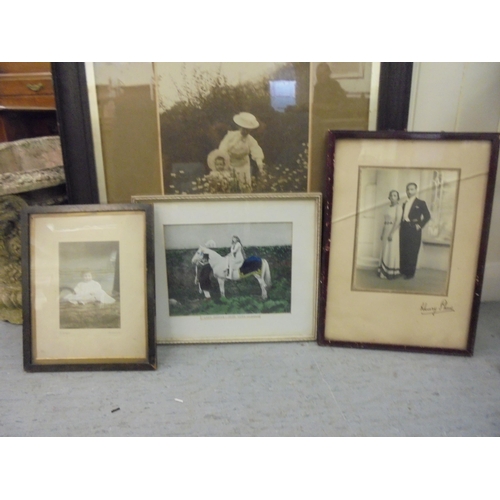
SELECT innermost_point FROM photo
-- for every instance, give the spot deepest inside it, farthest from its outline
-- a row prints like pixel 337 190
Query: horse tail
pixel 266 273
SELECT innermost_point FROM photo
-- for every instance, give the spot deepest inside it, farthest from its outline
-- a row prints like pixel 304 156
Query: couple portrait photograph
pixel 404 229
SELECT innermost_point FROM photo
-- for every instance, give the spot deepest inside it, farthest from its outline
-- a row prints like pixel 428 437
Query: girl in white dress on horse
pixel 236 257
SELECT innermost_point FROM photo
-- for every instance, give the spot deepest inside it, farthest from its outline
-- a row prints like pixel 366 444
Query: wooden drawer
pixel 33 90
pixel 25 67
pixel 29 84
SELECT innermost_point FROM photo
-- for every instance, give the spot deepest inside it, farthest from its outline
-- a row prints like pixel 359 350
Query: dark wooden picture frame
pixel 72 103
pixel 476 156
pixel 89 325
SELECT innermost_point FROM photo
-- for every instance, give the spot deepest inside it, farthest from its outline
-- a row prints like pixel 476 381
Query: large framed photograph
pixel 172 118
pixel 406 226
pixel 88 288
pixel 236 268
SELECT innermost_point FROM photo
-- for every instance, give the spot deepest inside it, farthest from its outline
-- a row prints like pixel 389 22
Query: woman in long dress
pixel 240 146
pixel 236 256
pixel 389 259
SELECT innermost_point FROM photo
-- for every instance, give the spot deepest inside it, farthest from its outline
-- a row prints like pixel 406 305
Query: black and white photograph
pixel 89 285
pixel 404 229
pixel 88 289
pixel 234 127
pixel 229 269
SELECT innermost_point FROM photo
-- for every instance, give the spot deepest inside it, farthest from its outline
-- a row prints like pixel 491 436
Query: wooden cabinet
pixel 27 103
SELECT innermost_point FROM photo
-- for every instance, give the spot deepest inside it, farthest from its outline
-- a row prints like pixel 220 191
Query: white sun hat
pixel 246 120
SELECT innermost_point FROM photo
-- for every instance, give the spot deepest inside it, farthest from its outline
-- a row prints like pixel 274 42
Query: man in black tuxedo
pixel 415 217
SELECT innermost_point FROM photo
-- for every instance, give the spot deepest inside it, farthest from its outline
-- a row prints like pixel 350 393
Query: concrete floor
pixel 279 389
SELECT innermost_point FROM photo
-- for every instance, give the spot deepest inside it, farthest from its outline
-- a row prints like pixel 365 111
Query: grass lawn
pixel 242 297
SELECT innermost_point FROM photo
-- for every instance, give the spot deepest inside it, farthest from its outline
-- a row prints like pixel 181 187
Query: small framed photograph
pixel 237 268
pixel 406 227
pixel 88 288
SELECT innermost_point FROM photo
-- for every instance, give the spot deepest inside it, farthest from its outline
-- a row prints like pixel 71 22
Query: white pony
pixel 219 265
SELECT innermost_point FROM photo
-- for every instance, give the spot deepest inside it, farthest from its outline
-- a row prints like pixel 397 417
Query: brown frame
pixel 146 358
pixel 352 329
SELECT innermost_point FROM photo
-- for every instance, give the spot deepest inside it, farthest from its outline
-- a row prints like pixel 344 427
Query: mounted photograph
pixel 404 229
pixel 88 288
pixel 236 267
pixel 221 127
pixel 89 284
pixel 405 237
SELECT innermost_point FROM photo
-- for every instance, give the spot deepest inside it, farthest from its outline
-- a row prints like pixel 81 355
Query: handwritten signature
pixel 442 308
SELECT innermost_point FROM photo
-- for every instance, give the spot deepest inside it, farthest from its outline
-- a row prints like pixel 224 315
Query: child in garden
pixel 218 162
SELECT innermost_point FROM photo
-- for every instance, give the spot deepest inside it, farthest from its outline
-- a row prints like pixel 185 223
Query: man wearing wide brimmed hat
pixel 240 146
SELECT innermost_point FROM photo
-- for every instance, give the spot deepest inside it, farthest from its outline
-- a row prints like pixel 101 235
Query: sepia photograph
pixel 230 269
pixel 231 127
pixel 405 226
pixel 89 284
pixel 222 127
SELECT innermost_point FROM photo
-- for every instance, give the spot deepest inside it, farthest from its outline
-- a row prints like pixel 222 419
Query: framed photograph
pixel 88 288
pixel 237 268
pixel 173 118
pixel 406 227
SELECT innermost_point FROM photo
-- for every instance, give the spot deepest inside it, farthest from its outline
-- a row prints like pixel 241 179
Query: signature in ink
pixel 443 307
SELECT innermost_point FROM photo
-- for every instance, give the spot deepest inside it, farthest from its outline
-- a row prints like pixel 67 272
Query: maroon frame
pixel 328 194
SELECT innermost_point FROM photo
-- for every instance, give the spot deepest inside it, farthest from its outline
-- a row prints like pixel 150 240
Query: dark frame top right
pixel 406 223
